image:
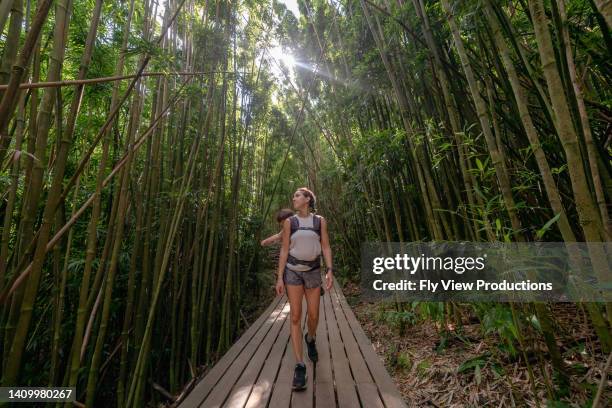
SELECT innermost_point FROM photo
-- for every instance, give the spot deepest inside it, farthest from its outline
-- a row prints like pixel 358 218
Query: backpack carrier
pixel 316 227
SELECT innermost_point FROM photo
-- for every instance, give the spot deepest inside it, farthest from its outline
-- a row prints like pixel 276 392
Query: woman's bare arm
pixel 325 248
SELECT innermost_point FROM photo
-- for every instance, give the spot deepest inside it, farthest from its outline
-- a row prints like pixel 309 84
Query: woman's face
pixel 300 200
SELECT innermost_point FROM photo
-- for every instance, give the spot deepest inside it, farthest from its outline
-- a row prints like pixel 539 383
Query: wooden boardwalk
pixel 258 370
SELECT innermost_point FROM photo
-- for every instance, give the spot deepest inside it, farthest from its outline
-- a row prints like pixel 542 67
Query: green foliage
pixel 475 364
pixel 404 361
pixel 430 310
pixel 497 319
pixel 397 319
pixel 422 367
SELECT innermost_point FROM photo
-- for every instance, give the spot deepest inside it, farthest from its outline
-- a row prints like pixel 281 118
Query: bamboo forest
pixel 146 146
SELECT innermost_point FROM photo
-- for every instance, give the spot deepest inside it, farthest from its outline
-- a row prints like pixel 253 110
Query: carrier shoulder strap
pixel 295 224
pixel 316 224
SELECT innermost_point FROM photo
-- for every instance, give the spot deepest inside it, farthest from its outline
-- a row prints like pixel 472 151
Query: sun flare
pixel 282 56
pixel 288 59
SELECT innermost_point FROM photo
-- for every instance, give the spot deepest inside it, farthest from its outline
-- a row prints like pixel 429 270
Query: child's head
pixel 283 214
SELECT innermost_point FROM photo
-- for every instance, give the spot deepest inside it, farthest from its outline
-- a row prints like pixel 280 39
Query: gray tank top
pixel 305 244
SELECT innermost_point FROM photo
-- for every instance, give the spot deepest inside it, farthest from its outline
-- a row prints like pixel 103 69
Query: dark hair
pixel 313 200
pixel 283 214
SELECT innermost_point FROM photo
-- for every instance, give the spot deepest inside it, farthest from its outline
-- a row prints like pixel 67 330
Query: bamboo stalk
pixel 91 81
pixel 13 363
pixel 9 97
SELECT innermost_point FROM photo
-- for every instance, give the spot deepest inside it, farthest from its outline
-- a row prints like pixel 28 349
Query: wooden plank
pixel 204 386
pixel 345 385
pixel 388 391
pixel 221 390
pixel 304 398
pixel 366 388
pixel 325 396
pixel 242 389
pixel 263 386
pixel 281 391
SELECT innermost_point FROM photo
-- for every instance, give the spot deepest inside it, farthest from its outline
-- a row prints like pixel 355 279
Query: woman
pixel 304 237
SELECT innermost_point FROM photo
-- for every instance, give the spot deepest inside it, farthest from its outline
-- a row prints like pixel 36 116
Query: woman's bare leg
pixel 295 293
pixel 313 297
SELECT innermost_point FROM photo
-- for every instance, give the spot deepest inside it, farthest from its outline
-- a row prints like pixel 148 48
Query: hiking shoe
pixel 313 355
pixel 299 377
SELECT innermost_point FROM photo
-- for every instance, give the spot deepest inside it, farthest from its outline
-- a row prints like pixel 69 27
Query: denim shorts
pixel 309 279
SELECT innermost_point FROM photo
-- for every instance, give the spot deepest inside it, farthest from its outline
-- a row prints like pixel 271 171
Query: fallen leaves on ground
pixel 472 372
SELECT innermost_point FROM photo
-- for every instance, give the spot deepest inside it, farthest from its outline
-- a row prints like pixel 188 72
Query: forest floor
pixel 467 368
